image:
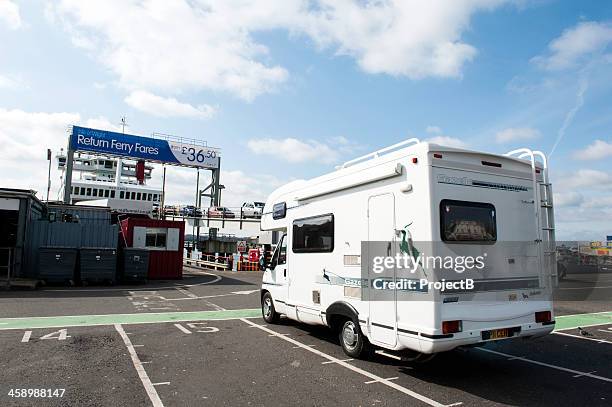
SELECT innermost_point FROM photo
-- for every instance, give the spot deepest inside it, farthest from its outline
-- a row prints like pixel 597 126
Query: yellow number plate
pixel 500 333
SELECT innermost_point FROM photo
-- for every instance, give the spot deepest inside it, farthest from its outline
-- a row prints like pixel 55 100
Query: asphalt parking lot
pixel 201 341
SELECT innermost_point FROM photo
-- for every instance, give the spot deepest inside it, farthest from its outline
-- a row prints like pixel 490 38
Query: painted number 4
pixel 60 335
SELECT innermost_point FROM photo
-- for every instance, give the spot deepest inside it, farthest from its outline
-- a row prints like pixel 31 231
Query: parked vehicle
pixel 171 210
pixel 190 211
pixel 461 202
pixel 251 210
pixel 220 212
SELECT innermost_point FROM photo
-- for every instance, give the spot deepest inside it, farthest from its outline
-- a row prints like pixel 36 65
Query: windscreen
pixel 463 221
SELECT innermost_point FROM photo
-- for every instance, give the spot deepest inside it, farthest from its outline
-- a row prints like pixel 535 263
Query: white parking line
pixel 160 383
pixel 327 362
pixel 186 292
pixel 582 337
pixel 580 375
pixel 182 328
pixel 535 362
pixel 214 306
pixel 26 336
pixel 192 296
pixel 362 372
pixel 376 381
pixel 144 377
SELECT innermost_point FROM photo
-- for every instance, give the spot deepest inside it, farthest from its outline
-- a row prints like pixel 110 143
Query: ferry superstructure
pixel 109 181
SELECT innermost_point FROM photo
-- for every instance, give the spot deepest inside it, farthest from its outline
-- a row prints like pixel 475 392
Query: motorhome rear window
pixel 313 235
pixel 462 221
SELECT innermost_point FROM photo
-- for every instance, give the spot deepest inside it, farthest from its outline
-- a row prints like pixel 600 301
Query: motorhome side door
pixel 381 228
pixel 279 263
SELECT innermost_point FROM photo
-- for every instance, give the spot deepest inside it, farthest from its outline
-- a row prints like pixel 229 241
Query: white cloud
pixel 586 178
pixel 447 141
pixel 574 44
pixel 563 199
pixel 599 202
pixel 404 38
pixel 9 14
pixel 293 150
pixel 516 134
pixel 167 107
pixel 239 186
pixel 25 137
pixel 204 44
pixel 596 151
pixel 340 140
pixel 177 45
pixel 433 130
pixel 103 123
pixel 8 82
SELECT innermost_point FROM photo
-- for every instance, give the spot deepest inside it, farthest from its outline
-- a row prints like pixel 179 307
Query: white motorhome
pixel 460 202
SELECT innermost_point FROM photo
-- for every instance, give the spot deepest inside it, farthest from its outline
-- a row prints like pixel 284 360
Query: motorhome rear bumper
pixel 437 343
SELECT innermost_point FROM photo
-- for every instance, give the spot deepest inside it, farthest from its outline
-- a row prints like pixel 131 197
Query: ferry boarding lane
pixel 201 341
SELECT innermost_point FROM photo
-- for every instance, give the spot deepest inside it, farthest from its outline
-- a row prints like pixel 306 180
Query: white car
pixel 252 209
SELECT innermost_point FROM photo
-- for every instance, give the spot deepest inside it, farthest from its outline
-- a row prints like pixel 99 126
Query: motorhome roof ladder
pixel 542 193
pixel 378 153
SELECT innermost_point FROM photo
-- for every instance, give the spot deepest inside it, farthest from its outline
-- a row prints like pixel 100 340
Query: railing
pixel 183 140
pixel 237 215
pixel 221 263
pixel 378 153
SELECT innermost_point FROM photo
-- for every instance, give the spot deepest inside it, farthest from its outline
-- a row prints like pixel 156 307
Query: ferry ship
pixel 114 182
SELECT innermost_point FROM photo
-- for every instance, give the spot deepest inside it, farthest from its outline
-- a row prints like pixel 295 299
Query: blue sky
pixel 287 89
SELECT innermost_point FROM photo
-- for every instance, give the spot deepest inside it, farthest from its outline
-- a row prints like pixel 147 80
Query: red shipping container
pixel 163 263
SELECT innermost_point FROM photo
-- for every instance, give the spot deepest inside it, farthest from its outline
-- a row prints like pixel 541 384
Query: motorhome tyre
pixel 267 309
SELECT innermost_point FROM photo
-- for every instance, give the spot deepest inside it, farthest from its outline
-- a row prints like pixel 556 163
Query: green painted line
pixel 111 319
pixel 574 321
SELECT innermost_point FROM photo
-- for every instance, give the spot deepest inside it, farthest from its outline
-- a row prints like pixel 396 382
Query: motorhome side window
pixel 462 221
pixel 313 235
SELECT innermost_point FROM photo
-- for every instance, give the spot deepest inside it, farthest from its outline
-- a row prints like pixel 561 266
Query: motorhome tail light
pixel 451 327
pixel 436 155
pixel 543 316
pixel 415 160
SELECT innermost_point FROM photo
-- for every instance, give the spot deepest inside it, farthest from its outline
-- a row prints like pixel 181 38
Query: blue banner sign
pixel 145 148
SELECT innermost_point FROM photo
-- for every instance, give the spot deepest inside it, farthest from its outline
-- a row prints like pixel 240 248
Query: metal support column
pixel 68 174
